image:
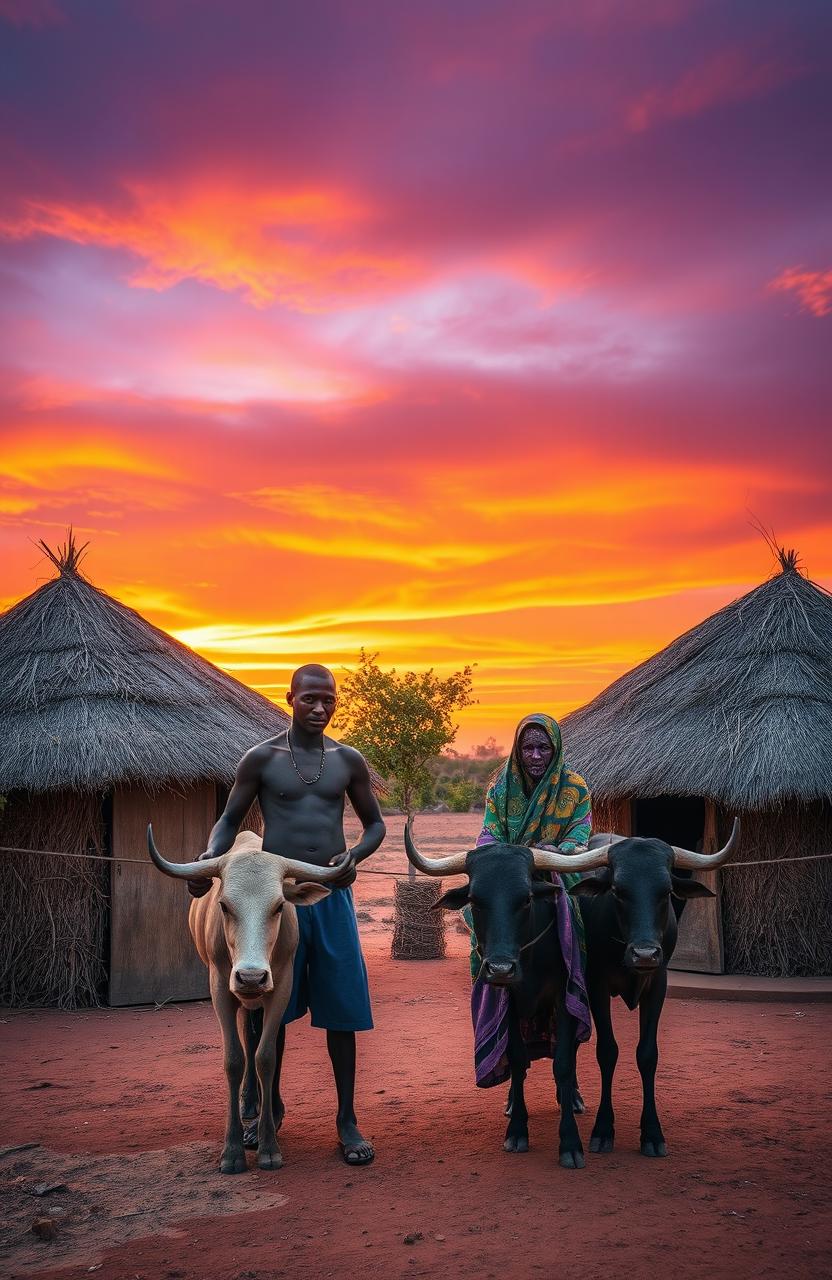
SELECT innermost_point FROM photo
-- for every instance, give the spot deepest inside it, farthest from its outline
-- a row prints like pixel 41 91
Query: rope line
pixel 369 871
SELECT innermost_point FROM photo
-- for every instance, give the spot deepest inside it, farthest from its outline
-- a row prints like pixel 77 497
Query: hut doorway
pixel 688 821
pixel 676 819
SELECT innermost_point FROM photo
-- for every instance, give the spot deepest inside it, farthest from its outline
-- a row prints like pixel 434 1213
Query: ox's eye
pixel 223 907
pixel 277 910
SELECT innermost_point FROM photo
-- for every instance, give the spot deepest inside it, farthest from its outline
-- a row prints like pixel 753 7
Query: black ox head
pixel 640 880
pixel 501 892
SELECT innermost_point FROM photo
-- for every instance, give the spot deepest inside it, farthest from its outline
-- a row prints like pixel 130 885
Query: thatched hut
pixel 733 717
pixel 106 722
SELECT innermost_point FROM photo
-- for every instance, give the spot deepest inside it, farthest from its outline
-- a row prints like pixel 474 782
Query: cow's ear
pixel 690 888
pixel 454 900
pixel 545 888
pixel 592 886
pixel 304 895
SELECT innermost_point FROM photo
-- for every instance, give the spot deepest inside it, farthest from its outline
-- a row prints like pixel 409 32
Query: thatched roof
pixel 738 710
pixel 91 694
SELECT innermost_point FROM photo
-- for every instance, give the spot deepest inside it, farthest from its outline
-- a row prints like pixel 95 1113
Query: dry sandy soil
pixel 126 1110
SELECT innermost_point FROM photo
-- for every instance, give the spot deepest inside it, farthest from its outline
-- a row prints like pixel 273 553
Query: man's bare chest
pixel 284 781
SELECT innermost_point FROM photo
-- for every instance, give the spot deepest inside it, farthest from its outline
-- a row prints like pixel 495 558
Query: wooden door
pixel 152 956
pixel 700 947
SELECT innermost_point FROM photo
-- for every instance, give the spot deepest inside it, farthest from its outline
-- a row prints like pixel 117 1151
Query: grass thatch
pixel 737 710
pixel 54 919
pixel 92 694
pixel 777 919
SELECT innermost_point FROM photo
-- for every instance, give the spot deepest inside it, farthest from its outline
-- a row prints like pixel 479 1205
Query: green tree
pixel 401 720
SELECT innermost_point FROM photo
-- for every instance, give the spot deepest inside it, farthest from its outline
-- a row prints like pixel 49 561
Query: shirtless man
pixel 301 778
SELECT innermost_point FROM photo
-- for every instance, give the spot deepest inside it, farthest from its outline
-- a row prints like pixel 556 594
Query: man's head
pixel 312 697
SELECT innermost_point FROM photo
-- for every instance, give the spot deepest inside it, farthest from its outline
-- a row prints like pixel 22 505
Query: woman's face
pixel 536 752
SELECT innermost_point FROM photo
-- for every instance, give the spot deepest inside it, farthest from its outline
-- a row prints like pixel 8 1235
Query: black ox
pixel 630 932
pixel 515 922
pixel 631 928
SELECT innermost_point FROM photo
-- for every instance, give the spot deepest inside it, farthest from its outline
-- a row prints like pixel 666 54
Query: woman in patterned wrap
pixel 534 799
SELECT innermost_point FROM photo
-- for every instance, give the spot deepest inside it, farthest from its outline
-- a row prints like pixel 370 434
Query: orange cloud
pixel 301 248
pixel 813 288
pixel 49 462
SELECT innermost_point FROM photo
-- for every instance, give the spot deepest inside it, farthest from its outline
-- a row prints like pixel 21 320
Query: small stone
pixel 439 1238
pixel 413 1236
pixel 45 1228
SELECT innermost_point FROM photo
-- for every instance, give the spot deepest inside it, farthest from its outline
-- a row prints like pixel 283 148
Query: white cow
pixel 246 931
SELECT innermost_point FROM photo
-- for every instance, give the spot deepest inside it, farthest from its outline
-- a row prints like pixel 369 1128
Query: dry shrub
pixel 55 911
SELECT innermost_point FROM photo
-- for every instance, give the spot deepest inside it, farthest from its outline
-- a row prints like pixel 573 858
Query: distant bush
pixel 461 794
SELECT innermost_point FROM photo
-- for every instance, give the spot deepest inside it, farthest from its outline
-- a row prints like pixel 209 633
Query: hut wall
pixel 152 956
pixel 54 918
pixel 777 919
pixel 615 816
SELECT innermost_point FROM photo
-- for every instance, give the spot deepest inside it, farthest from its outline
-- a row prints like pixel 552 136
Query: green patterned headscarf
pixel 558 812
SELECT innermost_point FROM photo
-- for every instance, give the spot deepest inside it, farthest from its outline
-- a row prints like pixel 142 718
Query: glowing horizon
pixel 477 338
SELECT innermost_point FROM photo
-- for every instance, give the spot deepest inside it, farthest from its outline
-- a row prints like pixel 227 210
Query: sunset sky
pixel 464 331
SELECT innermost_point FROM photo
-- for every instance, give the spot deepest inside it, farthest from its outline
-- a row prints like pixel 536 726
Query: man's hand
pixel 199 888
pixel 347 875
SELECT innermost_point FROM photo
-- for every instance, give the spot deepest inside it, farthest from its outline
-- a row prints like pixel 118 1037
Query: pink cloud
pixel 813 288
pixel 728 75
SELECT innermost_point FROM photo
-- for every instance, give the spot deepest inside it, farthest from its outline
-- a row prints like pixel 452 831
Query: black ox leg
pixel 647 1057
pixel 517 1131
pixel 570 1150
pixel 606 1051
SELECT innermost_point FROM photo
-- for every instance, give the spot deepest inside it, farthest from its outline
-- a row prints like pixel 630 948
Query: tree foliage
pixel 401 720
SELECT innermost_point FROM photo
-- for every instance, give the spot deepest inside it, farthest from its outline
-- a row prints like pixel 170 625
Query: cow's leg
pixel 517 1131
pixel 233 1158
pixel 570 1150
pixel 268 1151
pixel 249 1102
pixel 606 1051
pixel 647 1057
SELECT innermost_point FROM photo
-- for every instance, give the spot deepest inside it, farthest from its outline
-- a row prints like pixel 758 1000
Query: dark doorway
pixel 676 819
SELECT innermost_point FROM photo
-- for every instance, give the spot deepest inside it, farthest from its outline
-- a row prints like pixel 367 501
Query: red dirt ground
pixel 127 1106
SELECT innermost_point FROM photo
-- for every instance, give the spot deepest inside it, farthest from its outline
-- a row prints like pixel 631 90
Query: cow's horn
pixel 580 860
pixel 308 872
pixel 181 870
pixel 687 859
pixel 453 865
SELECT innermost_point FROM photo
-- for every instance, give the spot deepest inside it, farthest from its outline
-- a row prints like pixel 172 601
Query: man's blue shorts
pixel 330 976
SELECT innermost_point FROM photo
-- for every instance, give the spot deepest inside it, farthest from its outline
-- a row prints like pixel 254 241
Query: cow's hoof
pixel 516 1143
pixel 649 1148
pixel 571 1160
pixel 601 1144
pixel 269 1159
pixel 233 1160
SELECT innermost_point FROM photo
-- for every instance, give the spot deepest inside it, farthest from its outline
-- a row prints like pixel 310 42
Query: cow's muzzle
pixel 643 955
pixel 251 982
pixel 500 973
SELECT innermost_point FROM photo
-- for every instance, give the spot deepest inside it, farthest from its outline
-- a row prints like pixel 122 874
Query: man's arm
pixel 240 798
pixel 363 800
